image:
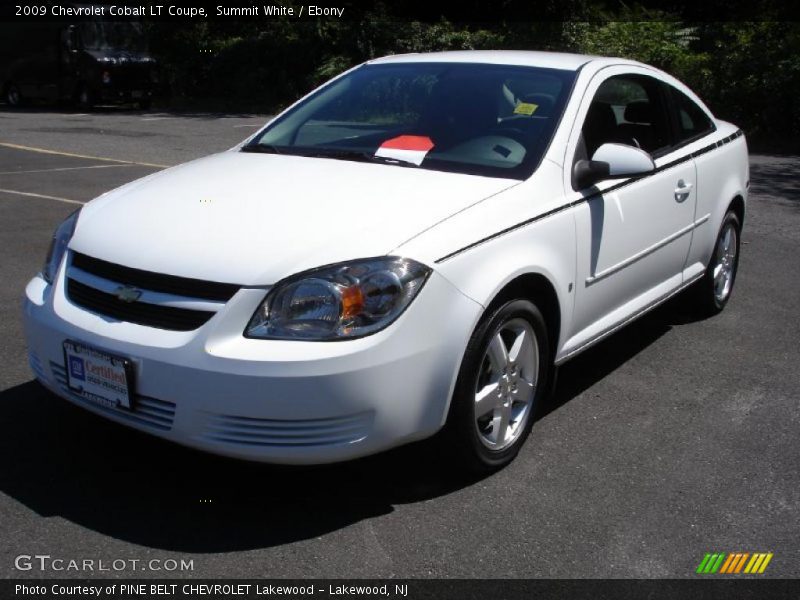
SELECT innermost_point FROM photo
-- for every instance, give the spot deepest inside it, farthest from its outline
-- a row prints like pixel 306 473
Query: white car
pixel 414 246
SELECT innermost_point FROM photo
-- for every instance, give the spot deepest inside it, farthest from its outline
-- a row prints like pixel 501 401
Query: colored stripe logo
pixel 734 563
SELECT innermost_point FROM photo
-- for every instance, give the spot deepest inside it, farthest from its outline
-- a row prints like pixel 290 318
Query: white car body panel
pixel 233 229
pixel 608 255
pixel 721 175
pixel 545 247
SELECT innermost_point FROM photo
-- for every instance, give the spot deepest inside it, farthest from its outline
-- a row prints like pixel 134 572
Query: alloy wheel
pixel 506 384
pixel 726 262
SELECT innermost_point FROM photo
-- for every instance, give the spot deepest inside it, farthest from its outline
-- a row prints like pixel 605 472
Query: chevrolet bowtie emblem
pixel 127 293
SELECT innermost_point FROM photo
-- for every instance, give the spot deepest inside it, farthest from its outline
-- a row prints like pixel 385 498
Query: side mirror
pixel 73 39
pixel 69 37
pixel 611 161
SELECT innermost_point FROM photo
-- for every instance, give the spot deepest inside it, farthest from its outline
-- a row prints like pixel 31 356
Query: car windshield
pixel 113 35
pixel 480 119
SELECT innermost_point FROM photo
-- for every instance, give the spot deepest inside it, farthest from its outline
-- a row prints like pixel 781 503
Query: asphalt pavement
pixel 673 438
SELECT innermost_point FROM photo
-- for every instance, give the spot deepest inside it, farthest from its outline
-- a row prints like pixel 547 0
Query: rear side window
pixel 692 120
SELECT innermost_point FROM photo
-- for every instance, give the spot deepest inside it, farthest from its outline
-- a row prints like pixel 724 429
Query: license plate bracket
pixel 99 376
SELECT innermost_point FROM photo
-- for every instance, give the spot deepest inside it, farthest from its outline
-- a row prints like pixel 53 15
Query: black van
pixel 87 63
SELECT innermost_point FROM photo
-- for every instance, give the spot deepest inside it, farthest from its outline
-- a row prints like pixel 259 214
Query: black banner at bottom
pixel 401 589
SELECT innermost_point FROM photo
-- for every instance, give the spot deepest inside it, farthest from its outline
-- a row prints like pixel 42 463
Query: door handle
pixel 682 190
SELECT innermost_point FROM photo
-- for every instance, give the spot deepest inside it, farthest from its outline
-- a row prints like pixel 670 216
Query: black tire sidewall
pixel 83 97
pixel 715 304
pixel 461 421
pixel 7 94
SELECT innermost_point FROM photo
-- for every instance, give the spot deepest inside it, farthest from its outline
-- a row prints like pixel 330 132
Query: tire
pixel 84 99
pixel 145 104
pixel 12 95
pixel 485 435
pixel 712 292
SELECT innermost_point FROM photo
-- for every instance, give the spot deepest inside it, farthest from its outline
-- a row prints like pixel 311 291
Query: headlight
pixel 341 301
pixel 58 246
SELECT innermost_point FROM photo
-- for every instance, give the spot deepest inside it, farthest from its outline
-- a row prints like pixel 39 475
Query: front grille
pixel 131 76
pixel 142 313
pixel 155 282
pixel 146 411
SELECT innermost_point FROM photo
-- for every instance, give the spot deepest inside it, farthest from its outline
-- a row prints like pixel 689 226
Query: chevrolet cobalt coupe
pixel 412 247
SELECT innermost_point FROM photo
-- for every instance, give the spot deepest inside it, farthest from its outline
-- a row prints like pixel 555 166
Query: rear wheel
pixel 500 386
pixel 12 95
pixel 714 290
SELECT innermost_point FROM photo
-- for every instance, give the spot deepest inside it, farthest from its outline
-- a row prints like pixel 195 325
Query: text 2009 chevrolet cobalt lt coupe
pixel 413 246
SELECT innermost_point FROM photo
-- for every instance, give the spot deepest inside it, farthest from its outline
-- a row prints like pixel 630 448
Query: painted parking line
pixel 41 196
pixel 256 125
pixel 73 155
pixel 66 169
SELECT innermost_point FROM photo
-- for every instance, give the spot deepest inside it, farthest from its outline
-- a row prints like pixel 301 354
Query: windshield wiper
pixel 356 155
pixel 262 148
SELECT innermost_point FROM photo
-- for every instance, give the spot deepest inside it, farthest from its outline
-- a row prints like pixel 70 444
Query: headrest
pixel 640 111
pixel 601 116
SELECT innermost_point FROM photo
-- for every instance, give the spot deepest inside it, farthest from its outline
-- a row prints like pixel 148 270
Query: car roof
pixel 528 58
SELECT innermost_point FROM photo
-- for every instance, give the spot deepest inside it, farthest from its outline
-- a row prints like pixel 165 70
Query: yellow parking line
pixel 73 155
pixel 65 169
pixel 45 197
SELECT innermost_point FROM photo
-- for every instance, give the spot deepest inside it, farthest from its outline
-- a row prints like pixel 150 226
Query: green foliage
pixel 426 37
pixel 756 79
pixel 652 37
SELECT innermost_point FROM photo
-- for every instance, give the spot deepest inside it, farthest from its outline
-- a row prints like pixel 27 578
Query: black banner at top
pixel 417 10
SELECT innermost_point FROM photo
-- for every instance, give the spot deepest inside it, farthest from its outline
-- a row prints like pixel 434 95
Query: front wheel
pixel 500 386
pixel 84 99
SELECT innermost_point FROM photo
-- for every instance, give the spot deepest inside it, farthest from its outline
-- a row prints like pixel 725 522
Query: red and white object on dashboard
pixel 408 148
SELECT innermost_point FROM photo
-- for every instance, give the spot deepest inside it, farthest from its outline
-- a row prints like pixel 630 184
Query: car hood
pixel 253 219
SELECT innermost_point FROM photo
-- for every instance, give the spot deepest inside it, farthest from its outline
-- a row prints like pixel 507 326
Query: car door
pixel 633 234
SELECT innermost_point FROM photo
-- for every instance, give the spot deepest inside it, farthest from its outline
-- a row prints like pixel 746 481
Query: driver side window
pixel 627 109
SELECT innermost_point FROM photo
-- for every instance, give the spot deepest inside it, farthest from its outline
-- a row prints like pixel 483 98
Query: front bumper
pixel 114 94
pixel 276 401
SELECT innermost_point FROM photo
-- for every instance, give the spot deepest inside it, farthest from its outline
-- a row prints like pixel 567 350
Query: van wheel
pixel 500 387
pixel 12 95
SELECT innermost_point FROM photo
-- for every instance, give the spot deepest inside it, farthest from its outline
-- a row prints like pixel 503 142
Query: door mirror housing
pixel 69 39
pixel 612 161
